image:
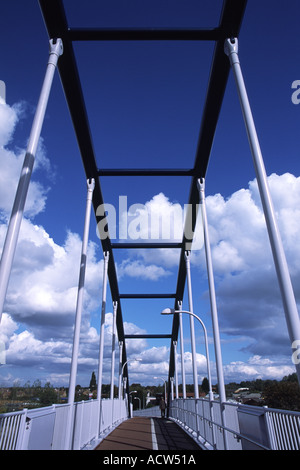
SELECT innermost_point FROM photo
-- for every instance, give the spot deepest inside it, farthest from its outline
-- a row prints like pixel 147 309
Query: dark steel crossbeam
pixel 147 296
pixel 145 172
pixel 145 34
pixel 158 245
pixel 159 336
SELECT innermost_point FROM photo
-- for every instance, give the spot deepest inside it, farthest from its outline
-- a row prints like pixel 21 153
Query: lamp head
pixel 168 311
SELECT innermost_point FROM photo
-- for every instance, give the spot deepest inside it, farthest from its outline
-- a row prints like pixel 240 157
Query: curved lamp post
pixel 171 311
pixel 164 381
pixel 129 360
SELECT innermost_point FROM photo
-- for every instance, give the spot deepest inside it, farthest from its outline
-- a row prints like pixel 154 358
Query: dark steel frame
pixel 229 26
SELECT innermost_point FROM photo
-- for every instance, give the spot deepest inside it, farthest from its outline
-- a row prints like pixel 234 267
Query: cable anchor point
pixel 201 189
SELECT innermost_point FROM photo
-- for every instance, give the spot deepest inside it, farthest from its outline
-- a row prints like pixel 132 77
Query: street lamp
pixel 137 398
pixel 130 393
pixel 165 386
pixel 171 311
pixel 123 367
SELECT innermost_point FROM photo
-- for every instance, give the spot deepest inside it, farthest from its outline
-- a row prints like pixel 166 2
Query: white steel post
pixel 172 388
pixel 192 326
pixel 120 368
pixel 101 340
pixel 176 370
pixel 283 275
pixel 182 351
pixel 213 305
pixel 74 363
pixel 79 305
pixel 56 50
pixel 113 350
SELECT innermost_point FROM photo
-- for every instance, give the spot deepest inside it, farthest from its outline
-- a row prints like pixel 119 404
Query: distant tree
pixel 290 378
pixel 189 388
pixel 258 385
pixel 93 382
pixel 105 391
pixel 205 385
pixel 284 395
pixel 48 395
pixel 78 392
pixel 36 388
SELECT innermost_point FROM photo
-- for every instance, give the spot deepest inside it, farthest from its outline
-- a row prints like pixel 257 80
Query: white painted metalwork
pixel 122 371
pixel 213 302
pixel 11 427
pixel 176 369
pixel 46 428
pixel 79 304
pixel 281 428
pixel 170 311
pixel 284 429
pixel 283 275
pixel 101 340
pixel 9 248
pixel 113 350
pixel 182 351
pixel 192 326
pixel 120 367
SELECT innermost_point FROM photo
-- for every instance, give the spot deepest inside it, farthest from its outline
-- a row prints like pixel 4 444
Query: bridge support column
pixel 192 327
pixel 113 353
pixel 120 368
pixel 287 293
pixel 182 351
pixel 101 340
pixel 176 370
pixel 113 350
pixel 213 305
pixel 79 304
pixel 56 50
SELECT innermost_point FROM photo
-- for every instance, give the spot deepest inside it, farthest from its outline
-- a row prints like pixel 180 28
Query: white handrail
pixel 281 427
pixel 45 428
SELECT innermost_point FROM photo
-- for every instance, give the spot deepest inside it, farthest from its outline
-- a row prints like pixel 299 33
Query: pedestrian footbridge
pixel 190 423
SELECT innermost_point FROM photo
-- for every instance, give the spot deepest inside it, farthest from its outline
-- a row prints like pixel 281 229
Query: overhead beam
pixel 147 296
pixel 159 336
pixel 145 34
pixel 158 245
pixel 146 172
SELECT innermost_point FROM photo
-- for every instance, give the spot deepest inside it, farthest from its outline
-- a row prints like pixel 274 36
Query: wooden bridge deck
pixel 141 433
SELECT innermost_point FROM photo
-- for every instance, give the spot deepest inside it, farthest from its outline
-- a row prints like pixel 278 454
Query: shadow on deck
pixel 142 433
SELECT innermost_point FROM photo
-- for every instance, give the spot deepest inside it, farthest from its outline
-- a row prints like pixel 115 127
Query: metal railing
pixel 246 427
pixel 47 428
pixel 11 429
pixel 284 429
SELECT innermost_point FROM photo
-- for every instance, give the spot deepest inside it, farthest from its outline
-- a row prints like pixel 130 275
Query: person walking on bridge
pixel 162 405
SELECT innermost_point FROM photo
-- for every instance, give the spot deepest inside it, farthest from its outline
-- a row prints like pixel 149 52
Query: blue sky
pixel 145 103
